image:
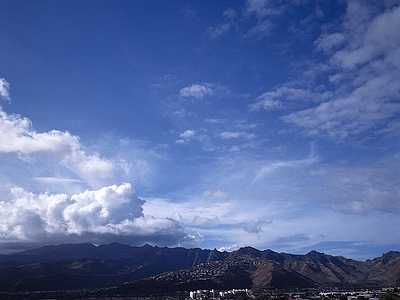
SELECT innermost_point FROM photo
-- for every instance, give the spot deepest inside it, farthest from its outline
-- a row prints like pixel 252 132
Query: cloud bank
pixel 110 213
pixel 100 215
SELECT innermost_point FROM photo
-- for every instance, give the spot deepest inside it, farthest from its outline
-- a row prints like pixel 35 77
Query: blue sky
pixel 212 124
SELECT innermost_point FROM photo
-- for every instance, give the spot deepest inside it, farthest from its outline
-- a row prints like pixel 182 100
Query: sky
pixel 210 124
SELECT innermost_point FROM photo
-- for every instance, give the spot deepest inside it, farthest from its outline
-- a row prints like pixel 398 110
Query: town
pixel 387 293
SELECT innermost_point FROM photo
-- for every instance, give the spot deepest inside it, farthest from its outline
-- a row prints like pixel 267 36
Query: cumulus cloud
pixel 186 136
pixel 197 91
pixel 109 213
pixel 190 135
pixel 18 136
pixel 229 248
pixel 4 87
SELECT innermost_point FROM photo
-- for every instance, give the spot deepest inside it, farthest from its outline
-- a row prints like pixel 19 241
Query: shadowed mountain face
pixel 154 269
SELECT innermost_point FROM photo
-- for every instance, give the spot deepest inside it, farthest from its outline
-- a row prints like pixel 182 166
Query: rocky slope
pixel 154 269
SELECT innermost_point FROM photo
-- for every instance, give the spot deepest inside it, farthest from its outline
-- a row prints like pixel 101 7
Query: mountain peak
pixel 71 266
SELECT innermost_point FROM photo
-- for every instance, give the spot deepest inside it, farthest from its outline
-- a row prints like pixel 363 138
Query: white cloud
pixel 219 30
pixel 218 194
pixel 57 180
pixel 286 201
pixel 198 91
pixel 272 166
pixel 112 212
pixel 230 13
pixel 92 210
pixel 215 121
pixel 229 248
pixel 4 87
pixel 365 189
pixel 367 107
pixel 18 136
pixel 180 113
pixel 188 134
pixel 234 135
pixel 377 37
pixel 263 8
pixel 362 63
pixel 265 11
pixel 207 222
pixel 188 12
pixel 262 29
pixel 330 42
pixel 185 137
pixel 286 96
pixel 181 141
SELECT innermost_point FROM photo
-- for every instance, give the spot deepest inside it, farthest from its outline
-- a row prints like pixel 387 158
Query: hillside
pixel 153 269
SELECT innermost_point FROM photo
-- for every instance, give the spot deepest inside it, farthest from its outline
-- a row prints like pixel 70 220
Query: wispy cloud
pixel 18 136
pixel 207 222
pixel 215 121
pixel 4 89
pixel 261 30
pixel 235 135
pixel 188 12
pixel 288 97
pixel 362 64
pixel 221 29
pixel 264 8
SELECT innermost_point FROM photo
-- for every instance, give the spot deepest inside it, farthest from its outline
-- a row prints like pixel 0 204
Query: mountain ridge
pixel 151 268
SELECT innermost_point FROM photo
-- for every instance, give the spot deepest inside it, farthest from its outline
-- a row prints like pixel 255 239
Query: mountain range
pixel 149 269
